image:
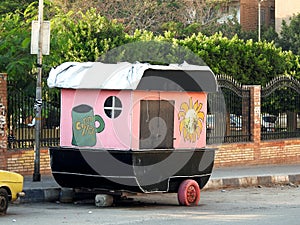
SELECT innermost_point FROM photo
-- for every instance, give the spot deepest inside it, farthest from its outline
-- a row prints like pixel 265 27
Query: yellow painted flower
pixel 192 119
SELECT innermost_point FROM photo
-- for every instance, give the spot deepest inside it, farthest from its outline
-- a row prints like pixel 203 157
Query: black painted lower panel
pixel 128 170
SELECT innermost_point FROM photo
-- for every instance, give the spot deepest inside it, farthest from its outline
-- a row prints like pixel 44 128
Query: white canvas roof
pixel 132 76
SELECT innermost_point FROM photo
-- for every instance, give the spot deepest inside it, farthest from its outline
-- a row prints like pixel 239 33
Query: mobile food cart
pixel 133 128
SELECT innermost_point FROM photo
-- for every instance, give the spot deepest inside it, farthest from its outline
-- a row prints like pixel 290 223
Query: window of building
pixel 272 15
pixel 263 16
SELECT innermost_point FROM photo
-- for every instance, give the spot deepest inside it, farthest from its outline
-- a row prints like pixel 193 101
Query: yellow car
pixel 11 187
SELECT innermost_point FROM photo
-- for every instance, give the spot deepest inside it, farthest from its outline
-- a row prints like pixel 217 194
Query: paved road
pixel 266 205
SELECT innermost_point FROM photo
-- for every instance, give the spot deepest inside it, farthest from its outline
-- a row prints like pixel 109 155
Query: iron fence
pixel 228 118
pixel 280 109
pixel 21 121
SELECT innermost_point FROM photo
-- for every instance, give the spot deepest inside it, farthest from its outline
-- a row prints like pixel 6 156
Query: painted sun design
pixel 192 119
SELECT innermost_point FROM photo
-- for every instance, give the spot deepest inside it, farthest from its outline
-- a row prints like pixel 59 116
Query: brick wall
pixel 22 161
pixel 249 13
pixel 284 151
pixel 3 124
pixel 263 153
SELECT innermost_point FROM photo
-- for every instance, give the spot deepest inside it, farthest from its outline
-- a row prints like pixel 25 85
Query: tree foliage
pixel 290 35
pixel 86 36
pixel 74 37
pixel 247 61
pixel 151 15
pixel 83 36
pixel 15 47
pixel 9 6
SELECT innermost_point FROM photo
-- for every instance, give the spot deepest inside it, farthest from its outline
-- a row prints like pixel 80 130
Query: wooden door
pixel 156 124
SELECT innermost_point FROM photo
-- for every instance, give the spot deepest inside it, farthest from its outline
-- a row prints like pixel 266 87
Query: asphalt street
pixel 279 204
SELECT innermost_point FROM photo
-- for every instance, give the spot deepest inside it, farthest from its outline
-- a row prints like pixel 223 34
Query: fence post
pixel 291 121
pixel 255 109
pixel 3 120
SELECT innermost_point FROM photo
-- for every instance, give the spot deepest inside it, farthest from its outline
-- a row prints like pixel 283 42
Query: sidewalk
pixel 254 176
pixel 48 190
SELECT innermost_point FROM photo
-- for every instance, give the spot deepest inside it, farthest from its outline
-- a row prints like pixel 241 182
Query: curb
pixel 41 195
pixel 252 181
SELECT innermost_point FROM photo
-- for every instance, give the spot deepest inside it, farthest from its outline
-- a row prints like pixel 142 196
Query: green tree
pixel 15 58
pixel 9 6
pixel 74 37
pixel 270 35
pixel 151 15
pixel 83 36
pixel 248 62
pixel 15 40
pixel 290 35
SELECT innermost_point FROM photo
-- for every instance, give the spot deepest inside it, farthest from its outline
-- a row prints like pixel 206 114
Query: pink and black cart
pixel 133 128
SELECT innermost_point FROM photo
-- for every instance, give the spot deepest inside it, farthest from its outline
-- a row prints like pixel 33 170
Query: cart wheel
pixel 3 201
pixel 188 193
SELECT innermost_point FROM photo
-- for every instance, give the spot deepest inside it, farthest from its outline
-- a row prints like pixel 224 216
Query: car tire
pixel 3 201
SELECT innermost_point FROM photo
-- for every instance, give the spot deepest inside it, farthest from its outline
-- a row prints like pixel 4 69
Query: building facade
pixel 272 12
pixel 284 10
pixel 249 10
pixel 247 13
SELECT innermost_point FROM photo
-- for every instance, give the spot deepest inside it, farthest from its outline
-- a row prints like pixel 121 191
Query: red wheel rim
pixel 188 193
pixel 191 194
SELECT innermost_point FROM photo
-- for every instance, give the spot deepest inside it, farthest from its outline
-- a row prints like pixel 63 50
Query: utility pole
pixel 38 100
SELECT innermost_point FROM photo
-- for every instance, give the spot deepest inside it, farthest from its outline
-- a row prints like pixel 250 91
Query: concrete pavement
pixel 254 176
pixel 232 177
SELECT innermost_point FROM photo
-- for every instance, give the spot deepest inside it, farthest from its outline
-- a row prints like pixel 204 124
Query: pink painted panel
pixel 87 122
pixel 189 117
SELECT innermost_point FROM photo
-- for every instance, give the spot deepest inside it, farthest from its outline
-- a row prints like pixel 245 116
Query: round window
pixel 112 107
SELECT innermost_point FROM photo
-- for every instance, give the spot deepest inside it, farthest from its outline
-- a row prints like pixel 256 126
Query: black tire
pixel 3 201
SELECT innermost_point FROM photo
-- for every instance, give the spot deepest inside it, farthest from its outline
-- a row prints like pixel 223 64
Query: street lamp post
pixel 259 18
pixel 38 101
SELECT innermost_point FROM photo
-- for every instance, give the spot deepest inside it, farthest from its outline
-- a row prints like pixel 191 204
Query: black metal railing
pixel 280 106
pixel 21 122
pixel 228 118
